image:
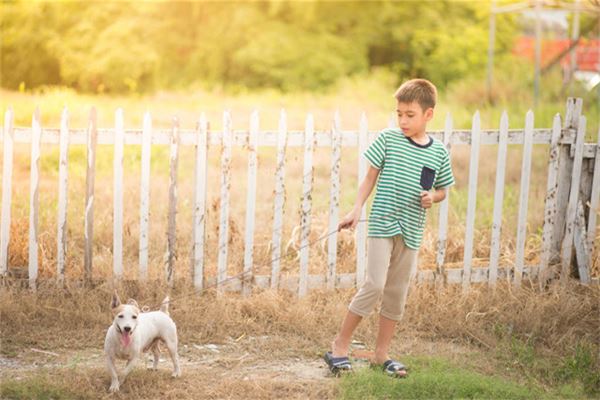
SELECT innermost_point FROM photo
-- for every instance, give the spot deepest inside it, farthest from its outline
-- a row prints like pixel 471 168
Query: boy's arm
pixel 366 187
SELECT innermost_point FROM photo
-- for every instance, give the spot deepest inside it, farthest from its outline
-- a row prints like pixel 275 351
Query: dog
pixel 133 333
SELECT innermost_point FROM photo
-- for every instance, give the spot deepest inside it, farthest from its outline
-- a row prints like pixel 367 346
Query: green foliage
pixel 122 47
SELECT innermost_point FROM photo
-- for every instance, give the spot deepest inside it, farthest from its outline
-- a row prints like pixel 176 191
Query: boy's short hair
pixel 419 90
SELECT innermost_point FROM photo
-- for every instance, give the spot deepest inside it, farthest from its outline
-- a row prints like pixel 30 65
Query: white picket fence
pixel 565 225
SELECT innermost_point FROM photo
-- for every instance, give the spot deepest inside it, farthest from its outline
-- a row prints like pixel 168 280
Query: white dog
pixel 133 333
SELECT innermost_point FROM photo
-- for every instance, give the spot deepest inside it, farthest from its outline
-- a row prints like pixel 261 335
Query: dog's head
pixel 125 318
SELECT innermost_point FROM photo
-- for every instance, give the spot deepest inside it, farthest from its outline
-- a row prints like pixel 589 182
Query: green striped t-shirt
pixel 397 207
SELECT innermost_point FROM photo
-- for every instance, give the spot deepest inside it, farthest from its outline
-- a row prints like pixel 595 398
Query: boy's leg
pixel 402 268
pixel 341 343
pixel 378 260
pixel 384 339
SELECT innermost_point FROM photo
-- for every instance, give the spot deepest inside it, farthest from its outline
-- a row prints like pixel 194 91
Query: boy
pixel 399 158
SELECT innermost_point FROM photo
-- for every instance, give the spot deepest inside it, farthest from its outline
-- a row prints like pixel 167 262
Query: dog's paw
pixel 114 387
pixel 176 374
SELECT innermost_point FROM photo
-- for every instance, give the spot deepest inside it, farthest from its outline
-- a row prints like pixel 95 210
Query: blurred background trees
pixel 122 47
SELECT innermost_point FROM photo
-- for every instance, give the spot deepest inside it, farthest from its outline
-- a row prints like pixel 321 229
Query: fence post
pixel 565 169
pixel 145 195
pixel 334 200
pixel 172 228
pixel 305 211
pixel 443 218
pixel 61 237
pixel 200 187
pixel 361 229
pixel 250 205
pixel 92 140
pixel 34 203
pixel 279 202
pixel 7 166
pixel 118 195
pixel 472 200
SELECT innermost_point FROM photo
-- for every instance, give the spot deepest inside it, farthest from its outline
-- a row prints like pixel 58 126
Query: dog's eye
pixel 120 316
pixel 134 317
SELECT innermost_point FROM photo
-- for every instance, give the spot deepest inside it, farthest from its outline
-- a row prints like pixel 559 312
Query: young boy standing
pixel 400 161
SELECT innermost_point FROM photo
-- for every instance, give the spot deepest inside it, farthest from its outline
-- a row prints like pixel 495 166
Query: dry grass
pixel 269 329
pixel 555 319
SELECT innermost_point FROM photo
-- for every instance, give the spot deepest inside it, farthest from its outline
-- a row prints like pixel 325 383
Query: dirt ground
pixel 241 368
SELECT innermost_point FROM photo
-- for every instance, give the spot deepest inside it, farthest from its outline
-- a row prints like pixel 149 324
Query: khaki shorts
pixel 390 268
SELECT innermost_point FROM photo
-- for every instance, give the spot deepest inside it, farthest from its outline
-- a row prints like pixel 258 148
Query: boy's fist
pixel 426 199
pixel 350 221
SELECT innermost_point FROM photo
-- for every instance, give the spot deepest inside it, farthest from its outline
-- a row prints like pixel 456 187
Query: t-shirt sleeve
pixel 444 177
pixel 375 154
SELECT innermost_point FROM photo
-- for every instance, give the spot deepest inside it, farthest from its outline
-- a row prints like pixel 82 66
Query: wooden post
pixel 565 169
pixel 201 186
pixel 172 225
pixel 472 201
pixel 118 195
pixel 550 209
pixel 279 202
pixel 594 202
pixel 225 183
pixel 145 195
pixel 443 218
pixel 567 244
pixel 92 140
pixel 63 174
pixel 34 203
pixel 361 229
pixel 305 218
pixel 250 204
pixel 7 165
pixel 580 242
pixel 334 200
pixel 498 200
pixel 523 199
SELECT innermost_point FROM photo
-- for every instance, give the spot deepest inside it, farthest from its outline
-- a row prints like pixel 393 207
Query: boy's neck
pixel 420 138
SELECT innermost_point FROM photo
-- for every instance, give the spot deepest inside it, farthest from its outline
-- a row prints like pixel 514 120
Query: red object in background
pixel 587 52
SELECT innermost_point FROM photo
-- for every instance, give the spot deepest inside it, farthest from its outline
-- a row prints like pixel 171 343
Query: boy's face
pixel 412 119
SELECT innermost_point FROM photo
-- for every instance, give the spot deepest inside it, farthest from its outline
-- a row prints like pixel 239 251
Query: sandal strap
pixel 393 366
pixel 342 363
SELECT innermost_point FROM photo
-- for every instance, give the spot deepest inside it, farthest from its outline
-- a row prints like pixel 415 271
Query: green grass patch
pixel 39 387
pixel 434 378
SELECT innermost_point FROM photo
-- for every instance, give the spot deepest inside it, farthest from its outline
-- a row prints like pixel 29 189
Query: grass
pixel 438 378
pixel 480 344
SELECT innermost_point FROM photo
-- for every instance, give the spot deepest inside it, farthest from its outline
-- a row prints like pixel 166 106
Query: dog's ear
pixel 133 303
pixel 116 302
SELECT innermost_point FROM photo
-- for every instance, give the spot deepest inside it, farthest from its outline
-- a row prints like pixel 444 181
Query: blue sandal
pixel 337 365
pixel 391 368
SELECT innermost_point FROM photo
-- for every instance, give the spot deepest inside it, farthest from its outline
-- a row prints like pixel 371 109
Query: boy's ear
pixel 116 302
pixel 429 114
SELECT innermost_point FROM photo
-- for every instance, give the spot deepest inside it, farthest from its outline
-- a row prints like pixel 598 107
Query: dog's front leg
pixel 128 368
pixel 114 382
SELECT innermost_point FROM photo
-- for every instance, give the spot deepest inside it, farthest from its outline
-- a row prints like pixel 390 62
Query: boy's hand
pixel 426 199
pixel 350 221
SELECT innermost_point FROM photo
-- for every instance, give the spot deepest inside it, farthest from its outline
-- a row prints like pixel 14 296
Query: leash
pixel 426 181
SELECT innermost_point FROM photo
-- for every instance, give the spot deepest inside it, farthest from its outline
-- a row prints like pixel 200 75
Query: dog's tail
pixel 164 306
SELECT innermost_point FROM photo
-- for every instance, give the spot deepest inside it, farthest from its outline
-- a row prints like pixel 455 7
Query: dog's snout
pixel 127 328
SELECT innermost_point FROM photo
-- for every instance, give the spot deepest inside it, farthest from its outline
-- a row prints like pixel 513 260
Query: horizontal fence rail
pixel 568 228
